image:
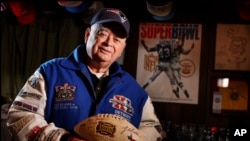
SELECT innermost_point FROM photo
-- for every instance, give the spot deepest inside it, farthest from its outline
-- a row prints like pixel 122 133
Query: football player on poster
pixel 178 49
pixel 163 48
pixel 169 52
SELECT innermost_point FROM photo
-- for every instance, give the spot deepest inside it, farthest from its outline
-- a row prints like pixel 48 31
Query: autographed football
pixel 107 127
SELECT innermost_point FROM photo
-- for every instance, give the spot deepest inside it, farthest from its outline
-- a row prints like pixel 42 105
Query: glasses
pixel 106 35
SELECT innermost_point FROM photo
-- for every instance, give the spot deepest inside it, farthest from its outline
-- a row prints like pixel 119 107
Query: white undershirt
pixel 99 75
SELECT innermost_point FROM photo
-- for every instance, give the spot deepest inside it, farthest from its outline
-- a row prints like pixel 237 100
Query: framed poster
pixel 232 47
pixel 168 61
pixel 230 96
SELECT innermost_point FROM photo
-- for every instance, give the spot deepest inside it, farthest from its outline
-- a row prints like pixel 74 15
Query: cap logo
pixel 121 15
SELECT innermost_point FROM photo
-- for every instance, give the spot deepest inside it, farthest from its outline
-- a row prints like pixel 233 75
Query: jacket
pixel 61 93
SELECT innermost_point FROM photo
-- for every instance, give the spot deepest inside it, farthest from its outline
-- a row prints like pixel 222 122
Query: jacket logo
pixel 65 92
pixel 122 103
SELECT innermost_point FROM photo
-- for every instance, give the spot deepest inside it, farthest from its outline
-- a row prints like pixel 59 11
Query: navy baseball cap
pixel 106 15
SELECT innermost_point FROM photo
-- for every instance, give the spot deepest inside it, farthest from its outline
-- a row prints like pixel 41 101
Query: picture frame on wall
pixel 168 60
pixel 230 96
pixel 232 47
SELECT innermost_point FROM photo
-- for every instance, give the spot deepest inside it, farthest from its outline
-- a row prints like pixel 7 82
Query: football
pixel 107 127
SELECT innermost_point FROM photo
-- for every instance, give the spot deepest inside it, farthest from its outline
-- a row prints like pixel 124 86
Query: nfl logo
pixel 150 62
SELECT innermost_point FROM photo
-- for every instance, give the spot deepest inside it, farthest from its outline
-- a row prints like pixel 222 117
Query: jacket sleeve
pixel 150 127
pixel 26 115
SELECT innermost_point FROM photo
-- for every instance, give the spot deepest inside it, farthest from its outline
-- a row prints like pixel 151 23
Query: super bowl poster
pixel 168 64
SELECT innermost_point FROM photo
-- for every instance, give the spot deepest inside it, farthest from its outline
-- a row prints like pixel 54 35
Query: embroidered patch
pixel 65 92
pixel 39 134
pixel 18 125
pixel 33 95
pixel 122 103
pixel 53 135
pixel 25 106
pixel 32 133
pixel 34 82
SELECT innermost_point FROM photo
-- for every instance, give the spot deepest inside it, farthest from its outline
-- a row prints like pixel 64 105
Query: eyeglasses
pixel 105 35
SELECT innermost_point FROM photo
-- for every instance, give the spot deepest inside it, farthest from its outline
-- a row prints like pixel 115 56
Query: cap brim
pixel 69 3
pixel 163 18
pixel 161 12
pixel 109 24
pixel 80 8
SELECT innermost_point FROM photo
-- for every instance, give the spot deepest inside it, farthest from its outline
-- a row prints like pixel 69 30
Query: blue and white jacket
pixel 61 93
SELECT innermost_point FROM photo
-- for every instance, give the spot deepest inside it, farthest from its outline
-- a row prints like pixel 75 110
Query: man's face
pixel 104 44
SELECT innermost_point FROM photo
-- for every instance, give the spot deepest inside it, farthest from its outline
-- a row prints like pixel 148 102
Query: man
pixel 64 91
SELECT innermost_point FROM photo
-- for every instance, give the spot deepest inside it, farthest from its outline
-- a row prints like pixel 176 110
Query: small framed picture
pixel 230 96
pixel 232 47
